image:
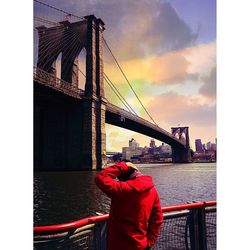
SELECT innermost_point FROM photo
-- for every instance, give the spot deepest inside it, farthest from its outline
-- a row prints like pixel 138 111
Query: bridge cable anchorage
pixel 129 82
pixel 124 102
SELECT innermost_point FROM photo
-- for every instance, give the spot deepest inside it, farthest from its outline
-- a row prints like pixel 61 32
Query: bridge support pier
pixel 70 133
pixel 94 140
pixel 94 143
pixel 181 154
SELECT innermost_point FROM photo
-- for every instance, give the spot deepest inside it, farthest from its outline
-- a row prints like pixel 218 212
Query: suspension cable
pixel 125 103
pixel 128 81
pixel 42 20
pixel 118 94
pixel 63 11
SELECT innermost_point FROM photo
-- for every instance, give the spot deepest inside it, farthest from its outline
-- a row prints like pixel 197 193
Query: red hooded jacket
pixel 135 214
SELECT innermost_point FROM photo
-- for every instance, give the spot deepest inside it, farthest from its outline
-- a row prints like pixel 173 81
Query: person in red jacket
pixel 135 216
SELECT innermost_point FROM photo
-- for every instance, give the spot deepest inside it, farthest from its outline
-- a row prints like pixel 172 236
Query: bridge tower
pixel 69 134
pixel 181 154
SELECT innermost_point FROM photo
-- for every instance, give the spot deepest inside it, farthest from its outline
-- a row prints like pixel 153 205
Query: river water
pixel 66 196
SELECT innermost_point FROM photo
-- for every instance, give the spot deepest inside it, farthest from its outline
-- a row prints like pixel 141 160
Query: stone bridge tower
pixel 181 154
pixel 69 134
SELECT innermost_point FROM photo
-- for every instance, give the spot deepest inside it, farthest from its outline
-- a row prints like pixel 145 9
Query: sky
pixel 167 49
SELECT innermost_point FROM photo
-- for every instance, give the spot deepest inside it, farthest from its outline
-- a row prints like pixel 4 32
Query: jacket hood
pixel 141 183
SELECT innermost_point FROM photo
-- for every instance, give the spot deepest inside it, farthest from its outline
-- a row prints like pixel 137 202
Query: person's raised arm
pixel 105 179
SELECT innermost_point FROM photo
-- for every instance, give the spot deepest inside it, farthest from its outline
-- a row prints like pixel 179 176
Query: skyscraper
pixel 198 145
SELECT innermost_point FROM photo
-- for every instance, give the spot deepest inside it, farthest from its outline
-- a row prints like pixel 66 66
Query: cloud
pixel 119 137
pixel 139 28
pixel 175 67
pixel 171 68
pixel 180 109
pixel 201 57
pixel 208 89
pixel 115 139
pixel 147 28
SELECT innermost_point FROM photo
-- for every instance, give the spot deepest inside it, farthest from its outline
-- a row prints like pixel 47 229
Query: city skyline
pixel 158 143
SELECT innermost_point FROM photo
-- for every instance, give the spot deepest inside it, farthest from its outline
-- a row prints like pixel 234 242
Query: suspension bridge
pixel 69 120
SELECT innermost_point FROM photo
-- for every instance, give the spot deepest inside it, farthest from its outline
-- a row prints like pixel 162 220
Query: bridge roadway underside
pixel 179 153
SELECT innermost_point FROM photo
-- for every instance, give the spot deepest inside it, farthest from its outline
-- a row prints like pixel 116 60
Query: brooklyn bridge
pixel 69 121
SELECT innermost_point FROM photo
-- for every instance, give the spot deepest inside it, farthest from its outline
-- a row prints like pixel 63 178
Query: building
pixel 133 144
pixel 209 145
pixel 152 143
pixel 198 145
pixel 152 154
pixel 132 150
pixel 165 149
pixel 127 153
pixel 213 147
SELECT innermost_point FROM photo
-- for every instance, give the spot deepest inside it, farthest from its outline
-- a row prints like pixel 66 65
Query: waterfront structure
pixel 92 231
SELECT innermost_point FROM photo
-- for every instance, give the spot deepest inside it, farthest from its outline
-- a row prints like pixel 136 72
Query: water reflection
pixel 65 196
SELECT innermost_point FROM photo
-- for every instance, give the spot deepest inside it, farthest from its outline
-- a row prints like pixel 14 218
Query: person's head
pixel 132 170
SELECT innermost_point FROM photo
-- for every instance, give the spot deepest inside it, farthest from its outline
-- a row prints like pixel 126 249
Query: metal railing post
pixel 100 236
pixel 197 229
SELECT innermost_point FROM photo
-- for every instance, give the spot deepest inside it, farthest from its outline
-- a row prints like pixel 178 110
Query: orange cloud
pixel 180 109
pixel 170 68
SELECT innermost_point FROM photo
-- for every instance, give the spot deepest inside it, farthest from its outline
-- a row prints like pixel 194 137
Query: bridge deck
pixel 114 115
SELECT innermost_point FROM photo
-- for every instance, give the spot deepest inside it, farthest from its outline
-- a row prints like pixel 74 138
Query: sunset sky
pixel 167 48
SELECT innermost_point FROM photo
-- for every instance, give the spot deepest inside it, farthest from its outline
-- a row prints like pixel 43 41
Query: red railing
pixel 101 218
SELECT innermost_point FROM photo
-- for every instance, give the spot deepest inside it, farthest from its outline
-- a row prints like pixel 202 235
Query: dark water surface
pixel 66 196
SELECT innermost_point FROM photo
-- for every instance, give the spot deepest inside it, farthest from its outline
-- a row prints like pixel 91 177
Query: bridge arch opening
pixel 82 68
pixel 183 137
pixel 177 135
pixel 59 65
